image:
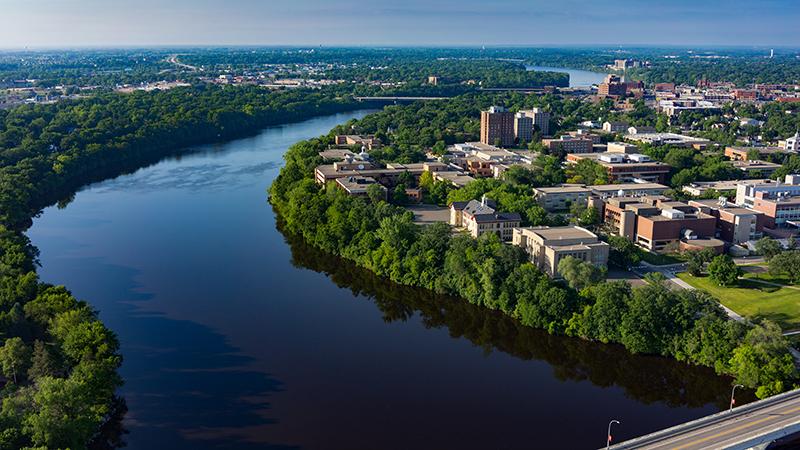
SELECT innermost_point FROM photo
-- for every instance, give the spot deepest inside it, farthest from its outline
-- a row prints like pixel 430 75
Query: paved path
pixel 773 284
pixel 744 427
pixel 670 273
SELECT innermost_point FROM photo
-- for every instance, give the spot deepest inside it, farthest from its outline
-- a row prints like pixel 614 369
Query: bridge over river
pixel 754 425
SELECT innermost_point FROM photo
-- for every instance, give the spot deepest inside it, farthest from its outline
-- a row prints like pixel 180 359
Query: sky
pixel 110 23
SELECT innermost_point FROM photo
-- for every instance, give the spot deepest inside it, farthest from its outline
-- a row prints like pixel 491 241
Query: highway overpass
pixel 754 425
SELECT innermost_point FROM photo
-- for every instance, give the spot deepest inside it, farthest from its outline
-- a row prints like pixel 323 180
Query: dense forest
pixel 59 362
pixel 687 325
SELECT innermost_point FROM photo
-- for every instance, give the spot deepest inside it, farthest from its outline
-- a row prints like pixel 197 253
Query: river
pixel 577 77
pixel 236 336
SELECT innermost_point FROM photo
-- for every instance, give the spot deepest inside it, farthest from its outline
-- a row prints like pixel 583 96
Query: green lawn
pixel 767 277
pixel 754 300
pixel 662 259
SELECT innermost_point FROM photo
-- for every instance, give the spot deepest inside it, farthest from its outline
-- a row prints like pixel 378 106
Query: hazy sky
pixel 66 23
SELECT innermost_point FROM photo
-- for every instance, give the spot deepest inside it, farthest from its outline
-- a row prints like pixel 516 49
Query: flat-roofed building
pixel 457 179
pixel 655 223
pixel 480 217
pixel 628 189
pixel 626 168
pixel 523 128
pixel 762 168
pixel 541 119
pixel 561 197
pixel 736 153
pixel 780 202
pixel 368 141
pixel 546 246
pixel 675 139
pixel 387 176
pixel 358 186
pixel 569 144
pixel 586 134
pixel 734 223
pixel 674 224
pixel 621 147
pixel 497 127
pixel 700 188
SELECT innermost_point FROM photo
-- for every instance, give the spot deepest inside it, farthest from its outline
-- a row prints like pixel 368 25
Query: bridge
pixel 398 99
pixel 754 425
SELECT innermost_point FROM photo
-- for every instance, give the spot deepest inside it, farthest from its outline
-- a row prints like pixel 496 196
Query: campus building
pixel 780 202
pixel 480 217
pixel 626 168
pixel 546 246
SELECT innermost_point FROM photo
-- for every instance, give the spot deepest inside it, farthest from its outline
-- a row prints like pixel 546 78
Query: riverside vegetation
pixel 59 362
pixel 653 319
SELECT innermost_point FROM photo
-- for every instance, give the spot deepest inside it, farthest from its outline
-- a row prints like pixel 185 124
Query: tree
pixel 580 274
pixel 624 253
pixel 763 361
pixel 724 271
pixel 14 357
pixel 43 362
pixel 376 193
pixel 590 216
pixel 768 247
pixel 697 259
pixel 399 195
pixel 786 263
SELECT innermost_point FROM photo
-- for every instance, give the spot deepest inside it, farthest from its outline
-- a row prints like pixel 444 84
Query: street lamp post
pixel 733 391
pixel 608 436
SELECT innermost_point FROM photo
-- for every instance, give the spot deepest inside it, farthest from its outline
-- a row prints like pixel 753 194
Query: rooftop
pixel 558 233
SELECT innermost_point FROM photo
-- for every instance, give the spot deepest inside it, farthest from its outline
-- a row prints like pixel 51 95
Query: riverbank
pixel 63 356
pixel 651 319
pixel 235 334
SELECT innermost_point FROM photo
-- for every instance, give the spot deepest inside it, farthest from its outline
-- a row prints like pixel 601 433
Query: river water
pixel 236 336
pixel 577 77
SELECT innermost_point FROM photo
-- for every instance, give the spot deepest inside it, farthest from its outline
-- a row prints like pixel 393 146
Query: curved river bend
pixel 235 336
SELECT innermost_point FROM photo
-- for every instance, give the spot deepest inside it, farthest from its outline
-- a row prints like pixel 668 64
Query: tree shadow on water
pixel 185 386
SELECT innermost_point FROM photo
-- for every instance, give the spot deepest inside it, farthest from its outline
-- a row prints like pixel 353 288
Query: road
pixel 744 427
pixel 173 59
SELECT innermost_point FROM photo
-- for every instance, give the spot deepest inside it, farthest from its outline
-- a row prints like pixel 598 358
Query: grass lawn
pixel 662 259
pixel 767 277
pixel 754 300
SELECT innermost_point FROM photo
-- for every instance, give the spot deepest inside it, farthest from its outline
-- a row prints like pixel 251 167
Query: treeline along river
pixel 238 336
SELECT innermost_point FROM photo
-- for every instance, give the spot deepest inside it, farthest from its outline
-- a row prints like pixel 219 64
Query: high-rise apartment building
pixel 523 128
pixel 541 119
pixel 497 127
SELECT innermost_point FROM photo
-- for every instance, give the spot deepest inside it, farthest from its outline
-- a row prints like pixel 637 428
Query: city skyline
pixel 93 23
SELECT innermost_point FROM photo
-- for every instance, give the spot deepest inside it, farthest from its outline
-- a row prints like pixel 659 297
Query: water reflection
pixel 647 379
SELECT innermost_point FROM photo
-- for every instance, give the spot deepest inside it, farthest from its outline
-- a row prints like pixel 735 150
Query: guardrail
pixel 667 433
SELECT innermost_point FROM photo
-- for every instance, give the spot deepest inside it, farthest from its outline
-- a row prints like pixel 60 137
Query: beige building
pixel 480 217
pixel 562 197
pixel 546 246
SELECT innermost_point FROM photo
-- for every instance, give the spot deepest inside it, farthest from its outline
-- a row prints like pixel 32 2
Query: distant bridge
pixel 754 425
pixel 398 99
